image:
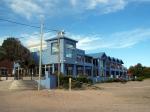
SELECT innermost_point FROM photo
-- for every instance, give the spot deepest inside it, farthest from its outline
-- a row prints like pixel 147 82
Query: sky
pixel 120 28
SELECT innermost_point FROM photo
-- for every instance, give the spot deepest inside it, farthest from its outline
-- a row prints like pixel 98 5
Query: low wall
pixel 7 78
pixel 49 82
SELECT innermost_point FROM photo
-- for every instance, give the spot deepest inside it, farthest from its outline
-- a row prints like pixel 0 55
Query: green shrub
pixel 140 79
pixel 76 82
pixel 110 80
pixel 84 79
pixel 116 80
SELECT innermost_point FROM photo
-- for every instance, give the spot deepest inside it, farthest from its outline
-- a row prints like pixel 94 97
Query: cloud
pixel 32 41
pixel 99 6
pixel 52 8
pixel 92 42
pixel 31 8
pixel 116 40
pixel 25 7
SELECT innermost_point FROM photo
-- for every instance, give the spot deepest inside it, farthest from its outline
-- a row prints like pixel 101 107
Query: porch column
pixel 32 74
pixel 92 68
pixel 74 70
pixel 49 70
pixel 18 73
pixel 115 73
pixel 53 68
pixel 63 68
pixel 119 73
pixel 45 68
pixel 36 71
pixel 84 67
pixel 105 71
pixel 99 69
pixel 110 73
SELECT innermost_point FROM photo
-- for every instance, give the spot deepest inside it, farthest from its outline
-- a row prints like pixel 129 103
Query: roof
pixel 88 56
pixel 61 37
pixel 97 55
pixel 101 54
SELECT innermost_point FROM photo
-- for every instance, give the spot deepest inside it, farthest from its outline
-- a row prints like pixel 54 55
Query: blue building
pixel 62 55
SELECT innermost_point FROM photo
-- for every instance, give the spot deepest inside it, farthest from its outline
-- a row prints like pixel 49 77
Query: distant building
pixel 74 61
pixel 6 67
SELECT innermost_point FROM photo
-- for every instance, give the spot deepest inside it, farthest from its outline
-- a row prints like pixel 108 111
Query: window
pixel 54 48
pixel 88 60
pixel 80 58
pixel 69 50
pixel 70 46
pixel 3 72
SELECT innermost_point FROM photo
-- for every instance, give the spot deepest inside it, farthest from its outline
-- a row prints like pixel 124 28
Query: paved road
pixel 5 85
pixel 115 97
pixel 8 85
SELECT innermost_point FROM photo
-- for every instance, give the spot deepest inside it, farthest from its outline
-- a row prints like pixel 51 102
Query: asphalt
pixel 8 85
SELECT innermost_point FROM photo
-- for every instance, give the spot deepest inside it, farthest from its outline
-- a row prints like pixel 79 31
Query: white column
pixel 53 69
pixel 74 70
pixel 45 68
pixel 84 67
pixel 18 73
pixel 99 68
pixel 63 68
pixel 49 70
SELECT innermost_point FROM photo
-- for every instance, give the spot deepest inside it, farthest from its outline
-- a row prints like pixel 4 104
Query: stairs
pixel 24 85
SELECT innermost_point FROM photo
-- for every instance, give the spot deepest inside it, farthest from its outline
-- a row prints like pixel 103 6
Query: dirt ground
pixel 113 97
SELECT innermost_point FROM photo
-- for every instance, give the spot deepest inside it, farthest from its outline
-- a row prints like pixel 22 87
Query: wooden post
pixel 18 73
pixel 70 84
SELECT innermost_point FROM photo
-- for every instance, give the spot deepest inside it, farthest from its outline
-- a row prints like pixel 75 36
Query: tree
pixel 146 72
pixel 2 53
pixel 16 52
pixel 139 71
pixel 136 70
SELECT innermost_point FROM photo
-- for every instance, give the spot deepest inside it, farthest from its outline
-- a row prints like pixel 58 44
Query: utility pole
pixel 40 60
pixel 58 59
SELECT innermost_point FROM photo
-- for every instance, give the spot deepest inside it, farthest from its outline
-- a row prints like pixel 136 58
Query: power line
pixel 14 22
pixel 23 24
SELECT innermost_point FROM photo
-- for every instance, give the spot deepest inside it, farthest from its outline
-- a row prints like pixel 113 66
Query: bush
pixel 83 79
pixel 117 80
pixel 76 82
pixel 110 80
pixel 140 79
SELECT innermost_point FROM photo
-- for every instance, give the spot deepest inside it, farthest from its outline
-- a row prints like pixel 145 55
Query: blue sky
pixel 121 28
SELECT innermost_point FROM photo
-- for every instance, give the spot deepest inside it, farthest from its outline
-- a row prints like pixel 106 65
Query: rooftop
pixel 61 37
pixel 97 55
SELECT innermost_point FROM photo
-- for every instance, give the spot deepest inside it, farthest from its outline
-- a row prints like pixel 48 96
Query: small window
pixel 69 50
pixel 54 48
pixel 69 46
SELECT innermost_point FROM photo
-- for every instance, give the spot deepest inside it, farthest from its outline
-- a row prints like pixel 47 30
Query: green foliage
pixel 140 71
pixel 2 53
pixel 16 52
pixel 140 79
pixel 77 82
pixel 116 80
pixel 146 72
pixel 83 79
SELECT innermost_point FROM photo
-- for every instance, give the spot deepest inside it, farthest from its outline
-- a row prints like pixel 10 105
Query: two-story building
pixel 61 54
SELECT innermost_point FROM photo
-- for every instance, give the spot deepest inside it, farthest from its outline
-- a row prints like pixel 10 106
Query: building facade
pixel 62 55
pixel 6 67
